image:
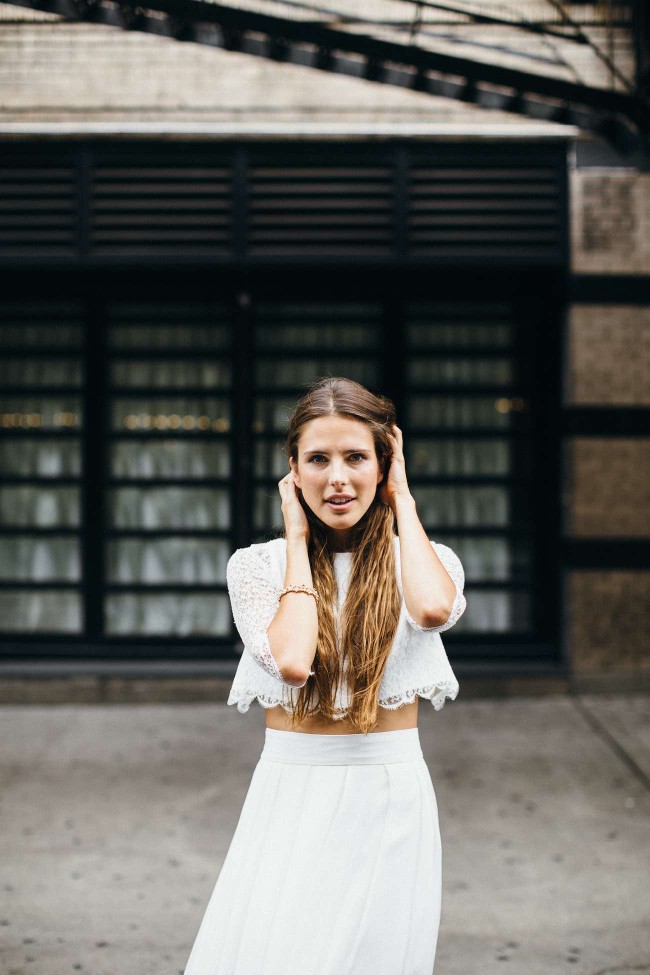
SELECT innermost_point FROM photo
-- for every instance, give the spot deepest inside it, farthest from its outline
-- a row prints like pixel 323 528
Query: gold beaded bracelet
pixel 307 589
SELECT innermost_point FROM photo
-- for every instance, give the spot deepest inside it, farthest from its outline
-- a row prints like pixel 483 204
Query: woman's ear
pixel 294 468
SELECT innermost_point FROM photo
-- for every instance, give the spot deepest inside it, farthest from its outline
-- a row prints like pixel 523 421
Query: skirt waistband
pixel 375 748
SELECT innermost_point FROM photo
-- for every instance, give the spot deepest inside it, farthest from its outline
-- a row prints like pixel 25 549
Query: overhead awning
pixel 577 64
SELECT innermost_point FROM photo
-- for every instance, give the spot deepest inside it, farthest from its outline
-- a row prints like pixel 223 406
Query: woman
pixel 335 864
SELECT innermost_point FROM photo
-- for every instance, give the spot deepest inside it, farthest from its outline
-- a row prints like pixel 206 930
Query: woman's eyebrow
pixel 348 450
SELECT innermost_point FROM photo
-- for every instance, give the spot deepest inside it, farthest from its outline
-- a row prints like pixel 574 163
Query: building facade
pixel 189 236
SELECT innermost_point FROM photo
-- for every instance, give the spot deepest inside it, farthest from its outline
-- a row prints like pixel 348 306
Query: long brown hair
pixel 371 612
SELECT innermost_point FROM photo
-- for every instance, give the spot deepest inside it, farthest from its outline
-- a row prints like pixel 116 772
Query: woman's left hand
pixel 396 485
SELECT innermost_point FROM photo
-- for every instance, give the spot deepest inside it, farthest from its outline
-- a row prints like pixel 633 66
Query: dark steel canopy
pixel 516 56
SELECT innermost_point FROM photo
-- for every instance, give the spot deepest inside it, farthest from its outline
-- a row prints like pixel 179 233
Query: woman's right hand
pixel 295 519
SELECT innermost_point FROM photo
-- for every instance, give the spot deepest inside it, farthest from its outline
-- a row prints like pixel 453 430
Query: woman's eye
pixel 321 457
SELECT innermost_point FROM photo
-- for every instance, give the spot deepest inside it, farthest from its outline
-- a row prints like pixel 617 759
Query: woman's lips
pixel 340 507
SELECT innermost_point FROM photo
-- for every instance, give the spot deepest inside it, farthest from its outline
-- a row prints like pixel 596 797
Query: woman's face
pixel 336 456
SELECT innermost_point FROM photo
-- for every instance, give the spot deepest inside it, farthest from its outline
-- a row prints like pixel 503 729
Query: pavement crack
pixel 618 749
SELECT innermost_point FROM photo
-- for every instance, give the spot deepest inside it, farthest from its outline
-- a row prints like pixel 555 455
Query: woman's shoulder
pixel 257 555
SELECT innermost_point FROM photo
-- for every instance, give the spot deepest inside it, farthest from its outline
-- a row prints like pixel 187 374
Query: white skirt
pixel 335 864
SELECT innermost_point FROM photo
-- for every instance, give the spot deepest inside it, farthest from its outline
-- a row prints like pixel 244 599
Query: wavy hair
pixel 370 614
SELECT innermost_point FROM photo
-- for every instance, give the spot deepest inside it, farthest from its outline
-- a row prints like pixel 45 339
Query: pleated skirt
pixel 335 864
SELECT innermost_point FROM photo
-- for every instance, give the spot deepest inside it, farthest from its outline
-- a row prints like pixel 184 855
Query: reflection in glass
pixel 493 372
pixel 170 458
pixel 461 506
pixel 322 325
pixel 267 511
pixel 23 611
pixel 40 506
pixel 163 336
pixel 496 611
pixel 173 614
pixel 40 559
pixel 489 558
pixel 40 458
pixel 169 507
pixel 166 560
pixel 41 372
pixel 457 457
pixel 44 413
pixel 451 412
pixel 270 460
pixel 172 372
pixel 446 334
pixel 295 372
pixel 308 336
pixel 177 414
pixel 18 331
pixel 272 413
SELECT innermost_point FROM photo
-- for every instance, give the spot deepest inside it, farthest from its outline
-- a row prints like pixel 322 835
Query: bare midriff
pixel 404 717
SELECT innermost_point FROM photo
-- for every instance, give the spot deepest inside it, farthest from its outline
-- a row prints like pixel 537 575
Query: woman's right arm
pixel 293 631
pixel 281 634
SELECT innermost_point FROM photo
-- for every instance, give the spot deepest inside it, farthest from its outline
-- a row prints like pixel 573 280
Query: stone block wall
pixel 610 221
pixel 607 478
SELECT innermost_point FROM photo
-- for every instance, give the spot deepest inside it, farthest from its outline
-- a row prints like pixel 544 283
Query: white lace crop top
pixel 417 663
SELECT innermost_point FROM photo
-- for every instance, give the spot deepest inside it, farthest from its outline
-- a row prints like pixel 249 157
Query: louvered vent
pixel 490 206
pixel 312 208
pixel 161 206
pixel 254 202
pixel 38 204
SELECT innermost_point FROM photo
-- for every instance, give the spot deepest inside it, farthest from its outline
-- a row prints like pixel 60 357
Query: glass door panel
pixel 41 422
pixel 169 511
pixel 470 452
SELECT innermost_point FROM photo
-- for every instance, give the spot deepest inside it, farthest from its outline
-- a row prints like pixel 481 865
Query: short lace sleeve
pixel 454 567
pixel 254 601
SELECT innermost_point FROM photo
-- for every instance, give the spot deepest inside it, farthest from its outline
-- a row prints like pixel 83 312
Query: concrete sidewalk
pixel 115 820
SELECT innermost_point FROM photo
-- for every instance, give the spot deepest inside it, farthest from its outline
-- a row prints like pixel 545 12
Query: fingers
pixel 396 436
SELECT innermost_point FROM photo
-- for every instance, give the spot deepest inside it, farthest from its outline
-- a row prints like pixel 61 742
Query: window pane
pixel 294 372
pixel 169 507
pixel 40 559
pixel 171 413
pixel 39 506
pixel 323 325
pixel 40 372
pixel 468 324
pixel 491 558
pixel 162 335
pixel 40 458
pixel 270 460
pixel 164 560
pixel 496 611
pixel 40 412
pixel 450 506
pixel 40 611
pixel 170 458
pixel 460 412
pixel 173 614
pixel 268 509
pixel 172 372
pixel 441 371
pixel 458 457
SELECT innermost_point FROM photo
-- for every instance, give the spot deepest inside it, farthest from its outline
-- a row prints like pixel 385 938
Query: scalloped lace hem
pixel 436 693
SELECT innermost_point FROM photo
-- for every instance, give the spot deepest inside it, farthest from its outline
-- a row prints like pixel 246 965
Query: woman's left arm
pixel 430 593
